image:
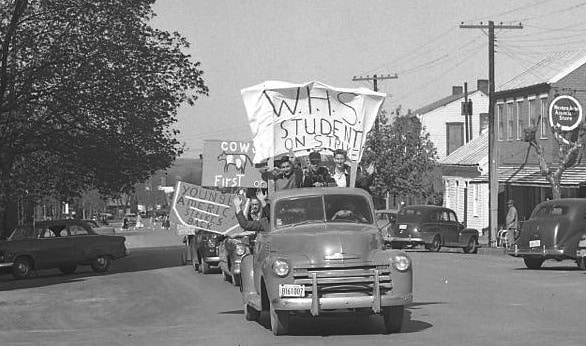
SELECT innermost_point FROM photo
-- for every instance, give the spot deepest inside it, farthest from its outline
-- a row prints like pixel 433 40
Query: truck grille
pixel 342 280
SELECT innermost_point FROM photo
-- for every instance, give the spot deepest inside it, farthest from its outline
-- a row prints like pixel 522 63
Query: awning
pixel 531 176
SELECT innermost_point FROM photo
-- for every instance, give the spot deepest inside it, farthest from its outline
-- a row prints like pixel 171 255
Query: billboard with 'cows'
pixel 229 164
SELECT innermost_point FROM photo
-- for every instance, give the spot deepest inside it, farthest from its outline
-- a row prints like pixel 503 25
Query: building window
pixel 510 121
pixel 475 199
pixel 532 114
pixel 520 122
pixel 544 117
pixel 501 123
pixel 483 123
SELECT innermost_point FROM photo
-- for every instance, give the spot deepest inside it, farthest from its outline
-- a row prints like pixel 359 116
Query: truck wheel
pixel 393 318
pixel 22 268
pixel 533 263
pixel 250 313
pixel 279 321
pixel 472 246
pixel 436 244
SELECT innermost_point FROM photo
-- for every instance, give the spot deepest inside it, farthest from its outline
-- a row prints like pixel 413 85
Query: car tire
pixel 393 318
pixel 205 267
pixel 472 247
pixel 279 321
pixel 101 263
pixel 250 313
pixel 68 269
pixel 436 244
pixel 22 268
pixel 236 280
pixel 533 263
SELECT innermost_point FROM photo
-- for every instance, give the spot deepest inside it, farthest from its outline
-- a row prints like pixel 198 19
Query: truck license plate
pixel 534 243
pixel 287 290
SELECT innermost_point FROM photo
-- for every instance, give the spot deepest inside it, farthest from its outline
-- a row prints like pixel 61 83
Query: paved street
pixel 149 298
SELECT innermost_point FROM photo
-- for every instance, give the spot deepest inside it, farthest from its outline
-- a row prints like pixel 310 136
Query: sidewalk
pixel 485 249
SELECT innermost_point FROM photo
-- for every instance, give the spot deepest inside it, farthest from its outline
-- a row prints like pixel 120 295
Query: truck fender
pixel 247 275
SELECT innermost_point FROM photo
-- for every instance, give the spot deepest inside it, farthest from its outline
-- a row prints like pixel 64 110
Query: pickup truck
pixel 322 252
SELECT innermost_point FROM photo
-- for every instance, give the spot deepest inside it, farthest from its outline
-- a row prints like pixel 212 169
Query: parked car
pixel 321 253
pixel 433 227
pixel 553 231
pixel 63 244
pixel 100 229
pixel 129 220
pixel 384 219
pixel 231 251
pixel 205 251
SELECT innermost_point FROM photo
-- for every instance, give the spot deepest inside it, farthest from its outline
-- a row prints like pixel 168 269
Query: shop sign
pixel 565 113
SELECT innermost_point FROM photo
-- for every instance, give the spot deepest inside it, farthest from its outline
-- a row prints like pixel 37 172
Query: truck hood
pixel 327 243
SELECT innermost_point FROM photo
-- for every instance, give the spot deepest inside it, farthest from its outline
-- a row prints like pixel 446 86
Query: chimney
pixel 482 85
pixel 457 90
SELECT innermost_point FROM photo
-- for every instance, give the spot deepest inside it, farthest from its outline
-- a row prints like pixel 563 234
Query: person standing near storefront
pixel 512 221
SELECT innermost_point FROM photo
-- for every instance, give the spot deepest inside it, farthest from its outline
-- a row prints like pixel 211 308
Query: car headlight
pixel 415 230
pixel 211 243
pixel 401 262
pixel 281 267
pixel 240 249
pixel 2 258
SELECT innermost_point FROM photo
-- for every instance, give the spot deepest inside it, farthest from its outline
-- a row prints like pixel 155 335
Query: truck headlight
pixel 401 262
pixel 281 267
pixel 240 249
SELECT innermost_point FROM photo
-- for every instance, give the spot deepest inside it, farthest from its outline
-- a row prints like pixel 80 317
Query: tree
pixel 569 146
pixel 404 157
pixel 89 94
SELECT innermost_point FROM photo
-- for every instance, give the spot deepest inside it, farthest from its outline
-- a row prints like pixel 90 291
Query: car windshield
pixel 409 215
pixel 23 232
pixel 328 208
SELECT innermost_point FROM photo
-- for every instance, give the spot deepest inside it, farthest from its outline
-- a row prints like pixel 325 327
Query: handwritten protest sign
pixel 229 164
pixel 195 208
pixel 285 117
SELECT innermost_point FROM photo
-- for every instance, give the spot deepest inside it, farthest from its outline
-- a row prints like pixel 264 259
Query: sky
pixel 244 43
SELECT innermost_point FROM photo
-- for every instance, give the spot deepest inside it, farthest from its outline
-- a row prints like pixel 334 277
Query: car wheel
pixel 101 263
pixel 22 268
pixel 68 269
pixel 205 267
pixel 581 263
pixel 227 276
pixel 436 244
pixel 472 246
pixel 250 313
pixel 393 318
pixel 533 263
pixel 279 321
pixel 236 280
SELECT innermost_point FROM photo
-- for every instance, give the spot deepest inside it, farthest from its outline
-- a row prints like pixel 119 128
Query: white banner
pixel 285 117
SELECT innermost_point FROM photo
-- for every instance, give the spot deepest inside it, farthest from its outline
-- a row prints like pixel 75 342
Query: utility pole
pixel 375 78
pixel 493 183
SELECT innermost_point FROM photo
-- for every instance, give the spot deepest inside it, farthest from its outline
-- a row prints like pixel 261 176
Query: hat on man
pixel 510 202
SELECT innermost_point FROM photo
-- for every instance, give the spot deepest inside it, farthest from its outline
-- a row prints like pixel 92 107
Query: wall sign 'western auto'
pixel 565 113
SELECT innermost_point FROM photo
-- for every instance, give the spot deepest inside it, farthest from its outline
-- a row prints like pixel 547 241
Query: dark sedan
pixel 433 227
pixel 62 244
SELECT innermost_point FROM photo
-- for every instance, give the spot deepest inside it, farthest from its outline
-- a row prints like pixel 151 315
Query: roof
pixel 531 176
pixel 550 69
pixel 442 102
pixel 470 154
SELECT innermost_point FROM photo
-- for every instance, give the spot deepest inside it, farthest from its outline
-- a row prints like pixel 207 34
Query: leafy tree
pixel 404 158
pixel 570 144
pixel 88 96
